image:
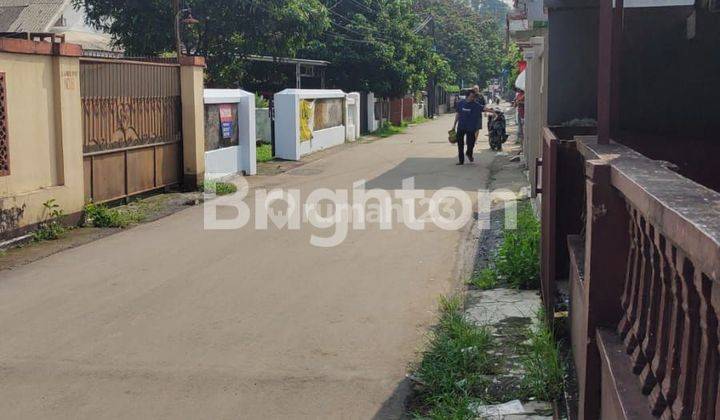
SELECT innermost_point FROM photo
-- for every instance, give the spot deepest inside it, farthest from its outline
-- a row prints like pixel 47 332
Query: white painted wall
pixel 372 122
pixel 322 139
pixel 228 161
pixel 352 116
pixel 287 124
pixel 420 108
pixel 535 104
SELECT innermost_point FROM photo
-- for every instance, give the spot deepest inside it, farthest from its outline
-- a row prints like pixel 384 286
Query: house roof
pixel 30 15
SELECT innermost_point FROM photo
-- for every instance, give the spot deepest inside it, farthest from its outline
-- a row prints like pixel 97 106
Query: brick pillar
pixel 192 71
pixel 396 107
pixel 408 108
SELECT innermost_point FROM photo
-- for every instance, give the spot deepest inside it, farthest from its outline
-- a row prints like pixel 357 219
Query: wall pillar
pixel 352 116
pixel 610 34
pixel 192 71
pixel 68 129
pixel 606 253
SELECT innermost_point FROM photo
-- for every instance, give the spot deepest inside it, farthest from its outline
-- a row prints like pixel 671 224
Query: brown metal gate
pixel 131 127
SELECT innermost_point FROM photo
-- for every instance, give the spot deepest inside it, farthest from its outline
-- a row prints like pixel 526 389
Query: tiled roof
pixel 29 15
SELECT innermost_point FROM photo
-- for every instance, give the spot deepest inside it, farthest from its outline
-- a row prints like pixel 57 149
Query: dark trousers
pixel 462 135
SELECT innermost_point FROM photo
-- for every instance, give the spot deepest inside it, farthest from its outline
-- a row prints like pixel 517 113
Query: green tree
pixel 377 45
pixel 494 8
pixel 510 62
pixel 228 30
pixel 467 37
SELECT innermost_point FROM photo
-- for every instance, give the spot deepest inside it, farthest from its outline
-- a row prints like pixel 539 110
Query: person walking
pixel 467 123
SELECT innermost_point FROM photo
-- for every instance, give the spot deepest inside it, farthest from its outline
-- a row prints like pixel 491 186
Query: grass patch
pixel 486 279
pixel 51 227
pixel 219 188
pixel 419 120
pixel 544 372
pixel 264 153
pixel 518 257
pixel 454 367
pixel 102 216
pixel 389 129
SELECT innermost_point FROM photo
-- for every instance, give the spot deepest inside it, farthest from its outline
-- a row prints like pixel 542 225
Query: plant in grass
pixel 51 227
pixel 419 120
pixel 388 129
pixel 486 279
pixel 219 188
pixel 101 216
pixel 261 102
pixel 264 153
pixel 450 407
pixel 518 257
pixel 543 368
pixel 453 369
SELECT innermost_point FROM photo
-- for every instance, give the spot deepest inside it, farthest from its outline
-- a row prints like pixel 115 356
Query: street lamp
pixel 188 20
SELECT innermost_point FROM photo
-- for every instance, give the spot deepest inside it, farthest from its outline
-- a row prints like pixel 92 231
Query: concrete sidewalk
pixel 168 320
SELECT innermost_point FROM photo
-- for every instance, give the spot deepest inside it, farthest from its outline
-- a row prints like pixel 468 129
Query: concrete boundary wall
pixel 227 161
pixel 288 142
pixel 44 132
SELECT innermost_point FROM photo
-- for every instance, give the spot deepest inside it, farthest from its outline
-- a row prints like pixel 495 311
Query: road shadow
pixel 395 406
pixel 435 173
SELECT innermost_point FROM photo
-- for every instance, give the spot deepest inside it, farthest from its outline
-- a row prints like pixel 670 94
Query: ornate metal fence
pixel 132 127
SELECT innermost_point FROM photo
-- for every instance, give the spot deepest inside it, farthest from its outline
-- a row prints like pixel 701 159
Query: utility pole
pixel 176 26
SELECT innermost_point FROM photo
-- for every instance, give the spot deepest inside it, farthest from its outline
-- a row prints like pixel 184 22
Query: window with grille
pixel 4 135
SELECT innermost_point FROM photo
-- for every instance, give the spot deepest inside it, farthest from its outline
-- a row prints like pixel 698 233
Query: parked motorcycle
pixel 497 130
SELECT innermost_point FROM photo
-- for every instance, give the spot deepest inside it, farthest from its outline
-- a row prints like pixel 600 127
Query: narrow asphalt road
pixel 169 320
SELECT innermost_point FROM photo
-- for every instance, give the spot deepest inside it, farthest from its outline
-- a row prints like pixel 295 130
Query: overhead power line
pixel 423 24
pixel 363 6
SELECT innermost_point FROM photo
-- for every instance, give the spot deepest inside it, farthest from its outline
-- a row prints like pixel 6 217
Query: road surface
pixel 168 320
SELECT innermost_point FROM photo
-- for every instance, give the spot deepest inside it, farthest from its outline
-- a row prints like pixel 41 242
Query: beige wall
pixel 45 136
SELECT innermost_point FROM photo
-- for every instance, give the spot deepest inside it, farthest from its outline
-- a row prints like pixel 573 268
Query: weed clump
pixel 263 153
pixel 486 279
pixel 543 378
pixel 51 227
pixel 219 188
pixel 518 258
pixel 389 129
pixel 453 369
pixel 101 216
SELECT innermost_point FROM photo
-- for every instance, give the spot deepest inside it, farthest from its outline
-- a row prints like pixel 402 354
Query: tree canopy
pixel 377 45
pixel 467 37
pixel 228 30
pixel 389 47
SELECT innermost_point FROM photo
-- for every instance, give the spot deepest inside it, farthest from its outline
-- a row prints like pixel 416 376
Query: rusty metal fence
pixel 131 127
